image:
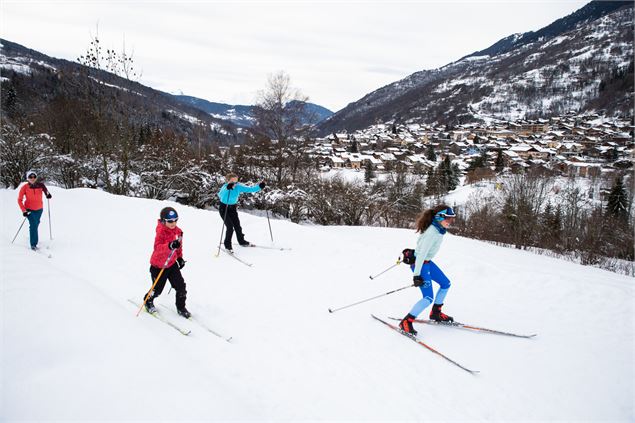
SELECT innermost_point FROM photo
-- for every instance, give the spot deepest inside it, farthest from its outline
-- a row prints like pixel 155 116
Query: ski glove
pixel 174 244
pixel 418 281
pixel 48 195
pixel 231 185
pixel 180 262
pixel 26 213
pixel 262 185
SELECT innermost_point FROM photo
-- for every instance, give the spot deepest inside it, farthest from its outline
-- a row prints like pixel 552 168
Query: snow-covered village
pixel 575 145
pixel 317 211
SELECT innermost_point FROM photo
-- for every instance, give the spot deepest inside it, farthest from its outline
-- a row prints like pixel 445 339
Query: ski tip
pixel 370 277
pixel 330 311
pixel 229 339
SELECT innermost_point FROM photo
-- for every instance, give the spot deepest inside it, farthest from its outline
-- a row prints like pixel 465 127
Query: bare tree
pixel 283 119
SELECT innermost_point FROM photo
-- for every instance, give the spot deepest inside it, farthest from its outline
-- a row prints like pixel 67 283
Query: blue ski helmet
pixel 444 214
pixel 168 214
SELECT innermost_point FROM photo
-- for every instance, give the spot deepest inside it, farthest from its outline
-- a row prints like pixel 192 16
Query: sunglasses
pixel 31 177
pixel 170 220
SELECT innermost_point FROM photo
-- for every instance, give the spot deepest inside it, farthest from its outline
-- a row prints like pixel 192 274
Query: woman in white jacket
pixel 432 225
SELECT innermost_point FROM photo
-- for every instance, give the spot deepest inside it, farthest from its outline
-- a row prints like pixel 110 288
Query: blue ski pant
pixel 430 272
pixel 34 221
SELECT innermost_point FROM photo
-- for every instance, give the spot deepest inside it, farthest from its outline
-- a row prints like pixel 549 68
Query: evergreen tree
pixel 432 183
pixel 369 172
pixel 618 200
pixel 354 147
pixel 9 101
pixel 454 179
pixel 613 155
pixel 448 180
pixel 500 164
pixel 430 154
pixel 481 161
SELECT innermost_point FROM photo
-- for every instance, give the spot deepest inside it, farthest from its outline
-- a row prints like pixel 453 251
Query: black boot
pixel 180 305
pixel 437 315
pixel 150 308
pixel 183 312
pixel 406 324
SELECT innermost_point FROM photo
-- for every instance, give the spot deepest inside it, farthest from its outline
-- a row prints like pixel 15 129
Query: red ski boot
pixel 406 324
pixel 437 315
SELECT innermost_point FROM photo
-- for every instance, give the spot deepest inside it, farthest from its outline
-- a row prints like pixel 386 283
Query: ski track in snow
pixel 72 347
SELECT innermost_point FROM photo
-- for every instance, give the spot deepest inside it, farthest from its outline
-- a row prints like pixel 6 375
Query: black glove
pixel 231 185
pixel 26 213
pixel 180 262
pixel 48 195
pixel 174 244
pixel 418 280
pixel 262 185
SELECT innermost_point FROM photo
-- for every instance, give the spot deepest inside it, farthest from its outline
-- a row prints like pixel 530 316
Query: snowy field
pixel 72 348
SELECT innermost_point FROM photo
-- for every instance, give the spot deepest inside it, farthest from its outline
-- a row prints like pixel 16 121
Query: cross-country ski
pixel 469 327
pixel 195 319
pixel 423 344
pixel 156 314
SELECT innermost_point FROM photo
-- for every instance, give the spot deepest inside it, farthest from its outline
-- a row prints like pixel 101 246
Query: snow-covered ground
pixel 72 348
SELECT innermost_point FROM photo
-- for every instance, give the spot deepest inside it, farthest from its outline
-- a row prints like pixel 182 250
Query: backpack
pixel 408 256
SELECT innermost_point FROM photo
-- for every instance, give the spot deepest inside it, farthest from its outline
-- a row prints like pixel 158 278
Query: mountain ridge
pixel 434 96
pixel 242 115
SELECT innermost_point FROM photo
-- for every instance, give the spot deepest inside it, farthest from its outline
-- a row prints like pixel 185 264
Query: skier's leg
pixel 444 283
pixel 233 215
pixel 422 303
pixel 224 214
pixel 426 291
pixel 158 288
pixel 439 277
pixel 34 222
pixel 178 283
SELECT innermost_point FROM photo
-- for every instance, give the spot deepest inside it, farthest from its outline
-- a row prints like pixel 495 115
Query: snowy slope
pixel 72 347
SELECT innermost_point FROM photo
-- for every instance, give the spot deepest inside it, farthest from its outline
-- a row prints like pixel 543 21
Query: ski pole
pixel 220 241
pixel 368 299
pixel 19 229
pixel 269 222
pixel 381 273
pixel 48 204
pixel 157 279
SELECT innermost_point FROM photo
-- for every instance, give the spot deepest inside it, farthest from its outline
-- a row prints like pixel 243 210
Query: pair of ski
pixel 232 254
pixel 178 328
pixel 450 324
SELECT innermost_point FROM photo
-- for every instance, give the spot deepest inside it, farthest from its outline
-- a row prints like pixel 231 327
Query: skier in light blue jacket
pixel 432 224
pixel 228 196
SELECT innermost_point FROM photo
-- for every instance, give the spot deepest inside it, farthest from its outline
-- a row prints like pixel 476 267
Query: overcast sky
pixel 334 51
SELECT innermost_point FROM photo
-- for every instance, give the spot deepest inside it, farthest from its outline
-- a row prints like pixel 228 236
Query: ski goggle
pixel 445 214
pixel 171 220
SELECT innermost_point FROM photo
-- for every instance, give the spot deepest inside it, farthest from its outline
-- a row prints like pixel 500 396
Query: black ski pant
pixel 232 222
pixel 173 274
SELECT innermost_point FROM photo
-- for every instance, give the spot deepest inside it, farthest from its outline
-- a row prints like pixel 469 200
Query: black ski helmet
pixel 168 213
